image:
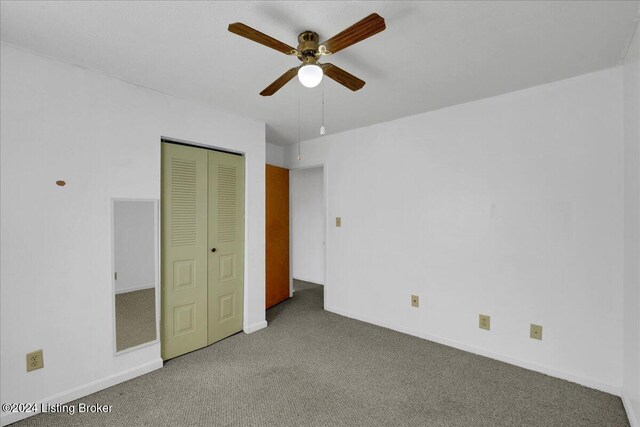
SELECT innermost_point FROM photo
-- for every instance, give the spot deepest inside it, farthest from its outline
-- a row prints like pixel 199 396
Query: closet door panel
pixel 184 249
pixel 226 245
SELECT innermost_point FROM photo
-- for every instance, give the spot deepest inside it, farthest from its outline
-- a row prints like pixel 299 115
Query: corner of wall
pixel 249 329
pixel 631 289
pixel 274 155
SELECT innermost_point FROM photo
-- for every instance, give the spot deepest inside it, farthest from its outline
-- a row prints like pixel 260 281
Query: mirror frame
pixel 156 244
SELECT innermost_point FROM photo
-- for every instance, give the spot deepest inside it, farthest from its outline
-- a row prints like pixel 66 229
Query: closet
pixel 202 241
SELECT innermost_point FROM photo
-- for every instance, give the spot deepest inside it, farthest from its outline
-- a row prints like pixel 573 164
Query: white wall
pixel 510 206
pixel 307 224
pixel 134 238
pixel 631 90
pixel 275 155
pixel 102 136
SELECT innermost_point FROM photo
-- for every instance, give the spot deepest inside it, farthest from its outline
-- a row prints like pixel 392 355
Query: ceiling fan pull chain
pixel 299 155
pixel 322 129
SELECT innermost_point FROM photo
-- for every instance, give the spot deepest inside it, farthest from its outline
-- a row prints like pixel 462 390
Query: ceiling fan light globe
pixel 310 75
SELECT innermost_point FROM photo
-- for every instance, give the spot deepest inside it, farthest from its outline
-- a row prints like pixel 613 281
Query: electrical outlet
pixel 338 221
pixel 535 332
pixel 485 322
pixel 415 301
pixel 34 360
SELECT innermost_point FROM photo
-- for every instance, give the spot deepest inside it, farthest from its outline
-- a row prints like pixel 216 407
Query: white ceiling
pixel 432 54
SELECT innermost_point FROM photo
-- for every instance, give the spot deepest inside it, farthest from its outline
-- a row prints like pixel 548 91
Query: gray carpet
pixel 135 318
pixel 314 368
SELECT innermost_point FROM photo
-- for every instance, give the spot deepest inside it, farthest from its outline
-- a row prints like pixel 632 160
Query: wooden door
pixel 184 249
pixel 226 244
pixel 277 235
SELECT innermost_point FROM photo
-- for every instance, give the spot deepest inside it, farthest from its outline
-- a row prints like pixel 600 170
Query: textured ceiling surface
pixel 432 54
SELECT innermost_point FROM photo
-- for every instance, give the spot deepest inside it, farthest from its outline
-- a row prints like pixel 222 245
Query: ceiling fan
pixel 309 51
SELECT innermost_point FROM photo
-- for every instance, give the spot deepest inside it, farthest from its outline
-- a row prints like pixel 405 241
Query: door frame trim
pixel 246 327
pixel 196 145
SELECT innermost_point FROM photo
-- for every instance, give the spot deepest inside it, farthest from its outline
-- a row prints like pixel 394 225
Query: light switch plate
pixel 338 221
pixel 415 301
pixel 485 322
pixel 535 332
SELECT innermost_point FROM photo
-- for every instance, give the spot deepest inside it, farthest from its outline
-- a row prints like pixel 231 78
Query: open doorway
pixel 308 227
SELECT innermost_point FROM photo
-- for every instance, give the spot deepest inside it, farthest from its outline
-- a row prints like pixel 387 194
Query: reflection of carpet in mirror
pixel 135 318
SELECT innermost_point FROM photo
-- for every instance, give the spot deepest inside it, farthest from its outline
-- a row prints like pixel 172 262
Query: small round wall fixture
pixel 310 75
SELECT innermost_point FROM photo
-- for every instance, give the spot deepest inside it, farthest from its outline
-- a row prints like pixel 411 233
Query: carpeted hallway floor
pixel 314 368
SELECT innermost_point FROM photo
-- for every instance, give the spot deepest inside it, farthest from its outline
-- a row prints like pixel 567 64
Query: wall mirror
pixel 135 272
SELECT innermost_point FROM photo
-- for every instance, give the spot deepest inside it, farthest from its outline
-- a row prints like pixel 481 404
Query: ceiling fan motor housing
pixel 308 47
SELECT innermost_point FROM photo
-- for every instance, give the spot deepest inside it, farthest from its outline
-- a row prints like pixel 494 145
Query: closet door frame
pixel 161 305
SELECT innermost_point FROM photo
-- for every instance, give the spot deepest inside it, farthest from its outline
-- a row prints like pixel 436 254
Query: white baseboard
pixel 255 327
pixel 587 382
pixel 307 279
pixel 633 419
pixel 85 390
pixel 135 288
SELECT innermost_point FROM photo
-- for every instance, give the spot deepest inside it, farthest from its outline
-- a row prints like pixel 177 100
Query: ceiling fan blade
pixel 341 76
pixel 280 81
pixel 246 31
pixel 359 31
